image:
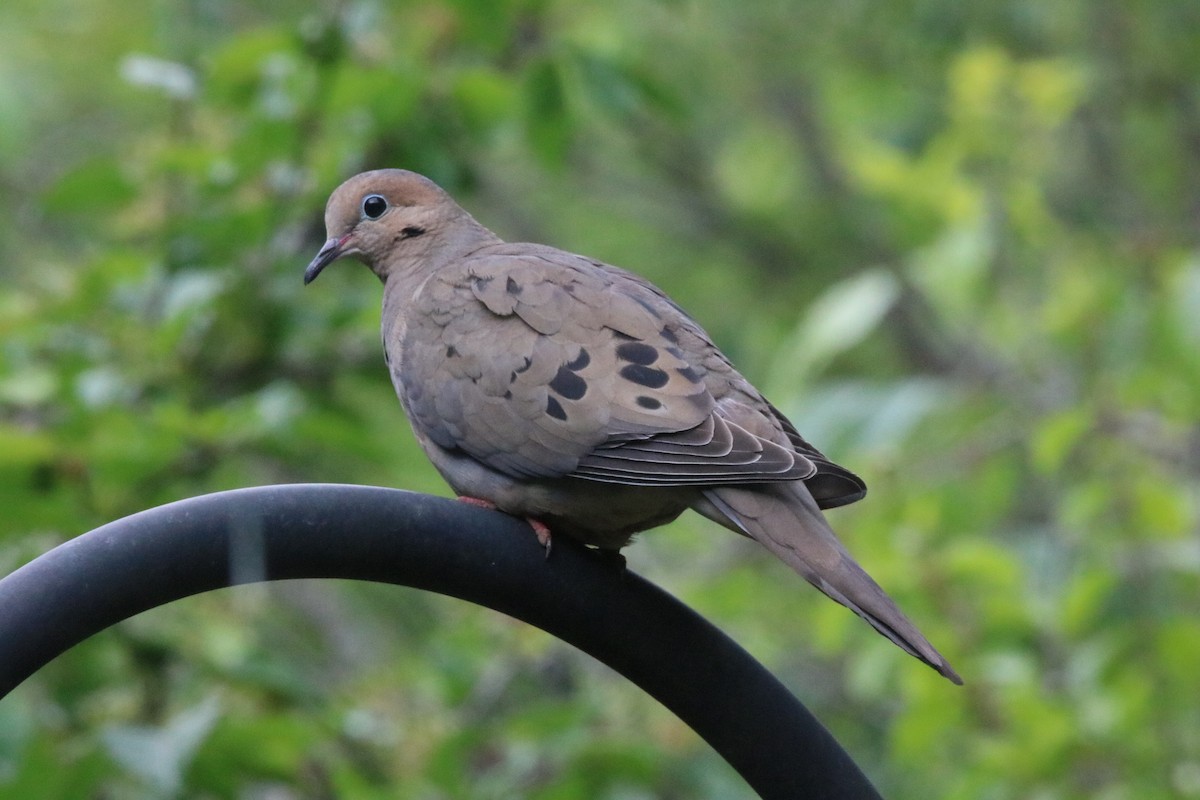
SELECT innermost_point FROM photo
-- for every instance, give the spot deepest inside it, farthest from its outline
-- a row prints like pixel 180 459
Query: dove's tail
pixel 785 519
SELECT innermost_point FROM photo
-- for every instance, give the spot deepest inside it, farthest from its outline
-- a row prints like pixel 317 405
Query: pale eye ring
pixel 373 206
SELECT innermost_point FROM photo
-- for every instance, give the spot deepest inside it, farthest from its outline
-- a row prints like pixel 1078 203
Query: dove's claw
pixel 540 529
pixel 542 532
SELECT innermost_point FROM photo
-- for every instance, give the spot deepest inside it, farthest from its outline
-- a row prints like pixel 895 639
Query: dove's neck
pixel 445 242
pixel 423 256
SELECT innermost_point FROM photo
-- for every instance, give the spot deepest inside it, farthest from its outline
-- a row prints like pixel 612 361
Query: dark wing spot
pixel 528 363
pixel 568 384
pixel 555 409
pixel 481 283
pixel 689 374
pixel 648 402
pixel 649 377
pixel 580 362
pixel 512 287
pixel 637 353
pixel 669 335
pixel 623 337
pixel 646 304
pixel 508 395
pixel 451 351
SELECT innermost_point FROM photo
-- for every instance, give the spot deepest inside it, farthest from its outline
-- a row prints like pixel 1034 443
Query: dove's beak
pixel 332 250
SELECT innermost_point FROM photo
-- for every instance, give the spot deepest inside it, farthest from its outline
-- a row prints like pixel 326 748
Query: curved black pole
pixel 393 536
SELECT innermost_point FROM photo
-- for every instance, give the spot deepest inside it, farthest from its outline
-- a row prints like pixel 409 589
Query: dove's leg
pixel 478 502
pixel 542 532
pixel 540 529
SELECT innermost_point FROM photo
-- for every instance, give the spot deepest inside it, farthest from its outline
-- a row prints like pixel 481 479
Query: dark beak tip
pixel 311 273
pixel 329 252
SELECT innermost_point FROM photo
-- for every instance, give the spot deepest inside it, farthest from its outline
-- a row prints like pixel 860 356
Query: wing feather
pixel 542 364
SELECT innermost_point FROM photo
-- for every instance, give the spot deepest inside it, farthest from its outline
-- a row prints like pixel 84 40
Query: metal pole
pixel 392 536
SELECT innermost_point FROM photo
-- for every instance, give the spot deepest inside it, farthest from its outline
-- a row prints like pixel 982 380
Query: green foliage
pixel 955 242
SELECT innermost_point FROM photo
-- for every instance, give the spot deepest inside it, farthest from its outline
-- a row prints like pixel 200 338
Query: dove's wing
pixel 543 364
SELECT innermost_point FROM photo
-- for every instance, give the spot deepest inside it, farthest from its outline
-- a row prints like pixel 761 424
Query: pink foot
pixel 477 502
pixel 542 532
pixel 540 529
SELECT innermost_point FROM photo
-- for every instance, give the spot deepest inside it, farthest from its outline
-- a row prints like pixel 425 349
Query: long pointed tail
pixel 785 519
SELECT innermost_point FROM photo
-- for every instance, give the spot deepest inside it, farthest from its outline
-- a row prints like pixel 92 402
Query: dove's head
pixel 385 218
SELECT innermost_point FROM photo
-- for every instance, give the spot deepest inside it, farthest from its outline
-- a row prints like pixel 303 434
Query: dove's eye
pixel 373 206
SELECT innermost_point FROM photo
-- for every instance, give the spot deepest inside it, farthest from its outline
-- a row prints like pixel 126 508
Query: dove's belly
pixel 605 515
pixel 602 514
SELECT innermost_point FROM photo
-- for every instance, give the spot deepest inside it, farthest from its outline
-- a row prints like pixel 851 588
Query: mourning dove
pixel 578 395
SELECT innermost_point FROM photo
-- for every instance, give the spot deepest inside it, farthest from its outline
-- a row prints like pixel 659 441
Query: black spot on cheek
pixel 568 384
pixel 648 403
pixel 580 362
pixel 555 409
pixel 649 377
pixel 512 287
pixel 637 353
pixel 412 231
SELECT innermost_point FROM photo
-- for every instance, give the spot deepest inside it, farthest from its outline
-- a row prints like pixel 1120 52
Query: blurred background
pixel 956 242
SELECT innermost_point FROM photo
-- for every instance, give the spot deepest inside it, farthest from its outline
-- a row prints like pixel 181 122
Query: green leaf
pixel 485 98
pixel 29 386
pixel 236 68
pixel 548 123
pixel 607 84
pixel 160 755
pixel 757 170
pixel 1057 437
pixel 97 186
pixel 1186 305
pixel 842 317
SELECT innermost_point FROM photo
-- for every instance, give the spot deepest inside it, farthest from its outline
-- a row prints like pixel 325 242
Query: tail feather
pixel 785 519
